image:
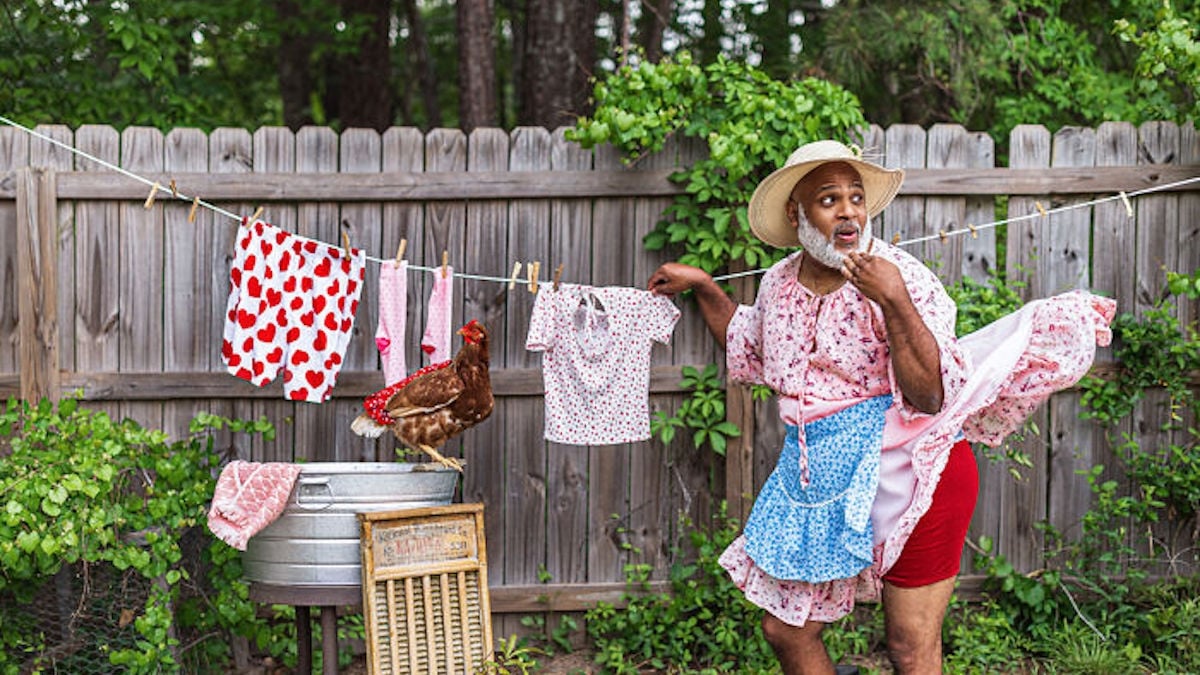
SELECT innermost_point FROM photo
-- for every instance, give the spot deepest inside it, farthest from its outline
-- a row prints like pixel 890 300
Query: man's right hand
pixel 673 277
pixel 716 307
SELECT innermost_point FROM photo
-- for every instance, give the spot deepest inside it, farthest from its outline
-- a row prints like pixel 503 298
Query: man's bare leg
pixel 913 622
pixel 799 649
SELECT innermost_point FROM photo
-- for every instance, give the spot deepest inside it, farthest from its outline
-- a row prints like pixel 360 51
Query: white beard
pixel 821 248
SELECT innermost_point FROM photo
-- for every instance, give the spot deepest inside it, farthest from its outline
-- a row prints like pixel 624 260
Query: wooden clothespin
pixel 942 235
pixel 895 239
pixel 534 268
pixel 512 280
pixel 174 190
pixel 400 250
pixel 974 231
pixel 1128 205
pixel 254 218
pixel 346 243
pixel 152 195
pixel 192 211
pixel 1041 209
pixel 557 275
pixel 445 261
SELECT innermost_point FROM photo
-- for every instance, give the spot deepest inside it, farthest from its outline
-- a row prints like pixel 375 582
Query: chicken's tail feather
pixel 363 425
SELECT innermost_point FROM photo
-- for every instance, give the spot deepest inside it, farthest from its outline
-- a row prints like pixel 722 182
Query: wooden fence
pixel 127 303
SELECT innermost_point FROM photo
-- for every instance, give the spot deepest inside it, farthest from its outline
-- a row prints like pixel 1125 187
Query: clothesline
pixel 1043 212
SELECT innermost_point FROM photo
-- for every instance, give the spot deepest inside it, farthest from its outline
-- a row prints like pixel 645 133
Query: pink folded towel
pixel 248 497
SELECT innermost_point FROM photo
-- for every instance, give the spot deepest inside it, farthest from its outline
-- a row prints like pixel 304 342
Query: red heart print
pixel 323 268
pixel 341 303
pixel 289 285
pixel 285 261
pixel 299 356
pixel 231 316
pixel 307 319
pixel 281 318
pixel 274 297
pixel 319 304
pixel 346 266
pixel 310 246
pixel 306 284
pixel 266 247
pixel 254 287
pixel 351 285
pixel 296 303
pixel 235 277
pixel 275 356
pixel 244 242
pixel 281 237
pixel 287 376
pixel 226 348
pixel 296 247
pixel 331 321
pixel 320 342
pixel 293 334
pixel 346 323
pixel 336 358
pixel 269 273
pixel 249 263
pixel 243 374
pixel 258 227
pixel 315 378
pixel 233 360
pixel 300 394
pixel 266 333
pixel 258 368
pixel 262 304
pixel 248 345
pixel 245 319
pixel 353 307
pixel 334 288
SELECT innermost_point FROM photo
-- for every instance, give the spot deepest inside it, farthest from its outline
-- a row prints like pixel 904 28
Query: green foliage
pixel 703 412
pixel 79 488
pixel 514 656
pixel 979 304
pixel 749 122
pixel 704 623
pixel 1076 648
pixel 1168 65
pixel 982 638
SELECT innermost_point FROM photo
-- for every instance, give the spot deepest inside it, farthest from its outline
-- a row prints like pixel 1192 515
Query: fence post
pixel 37 269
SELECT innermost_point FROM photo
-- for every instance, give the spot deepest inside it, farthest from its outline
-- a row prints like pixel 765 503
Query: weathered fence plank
pixel 14 154
pixel 946 215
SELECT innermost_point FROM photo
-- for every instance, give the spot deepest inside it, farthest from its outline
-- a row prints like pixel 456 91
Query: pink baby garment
pixel 436 340
pixel 248 497
pixel 597 344
pixel 393 317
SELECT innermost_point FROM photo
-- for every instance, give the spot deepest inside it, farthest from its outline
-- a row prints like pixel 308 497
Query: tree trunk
pixel 365 86
pixel 558 62
pixel 423 62
pixel 295 74
pixel 656 16
pixel 476 65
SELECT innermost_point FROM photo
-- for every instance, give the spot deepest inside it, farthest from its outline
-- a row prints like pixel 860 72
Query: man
pixel 874 490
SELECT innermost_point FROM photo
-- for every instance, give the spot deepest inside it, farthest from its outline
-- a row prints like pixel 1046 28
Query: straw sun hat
pixel 768 218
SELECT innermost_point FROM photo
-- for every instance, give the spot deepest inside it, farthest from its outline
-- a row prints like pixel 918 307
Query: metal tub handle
pixel 322 481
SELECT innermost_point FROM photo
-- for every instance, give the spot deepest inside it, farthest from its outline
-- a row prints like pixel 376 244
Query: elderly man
pixel 875 487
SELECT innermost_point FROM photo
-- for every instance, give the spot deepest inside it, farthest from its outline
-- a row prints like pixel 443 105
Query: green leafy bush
pixel 77 488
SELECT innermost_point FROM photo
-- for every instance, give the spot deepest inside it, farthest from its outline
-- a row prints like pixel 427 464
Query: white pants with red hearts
pixel 291 306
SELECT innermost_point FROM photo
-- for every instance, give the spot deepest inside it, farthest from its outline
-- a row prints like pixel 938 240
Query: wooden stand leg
pixel 303 640
pixel 329 642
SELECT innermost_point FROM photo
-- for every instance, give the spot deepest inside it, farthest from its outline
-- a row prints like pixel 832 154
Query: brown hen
pixel 437 402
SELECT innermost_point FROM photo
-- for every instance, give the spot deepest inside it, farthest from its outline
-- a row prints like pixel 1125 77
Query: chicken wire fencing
pixel 73 621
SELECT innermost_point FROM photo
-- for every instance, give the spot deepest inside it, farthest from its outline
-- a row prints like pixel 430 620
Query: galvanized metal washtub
pixel 315 541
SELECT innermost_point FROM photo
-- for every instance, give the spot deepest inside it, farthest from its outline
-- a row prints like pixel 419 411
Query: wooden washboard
pixel 425 593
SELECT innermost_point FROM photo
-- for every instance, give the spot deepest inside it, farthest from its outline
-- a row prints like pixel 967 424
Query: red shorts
pixel 934 549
